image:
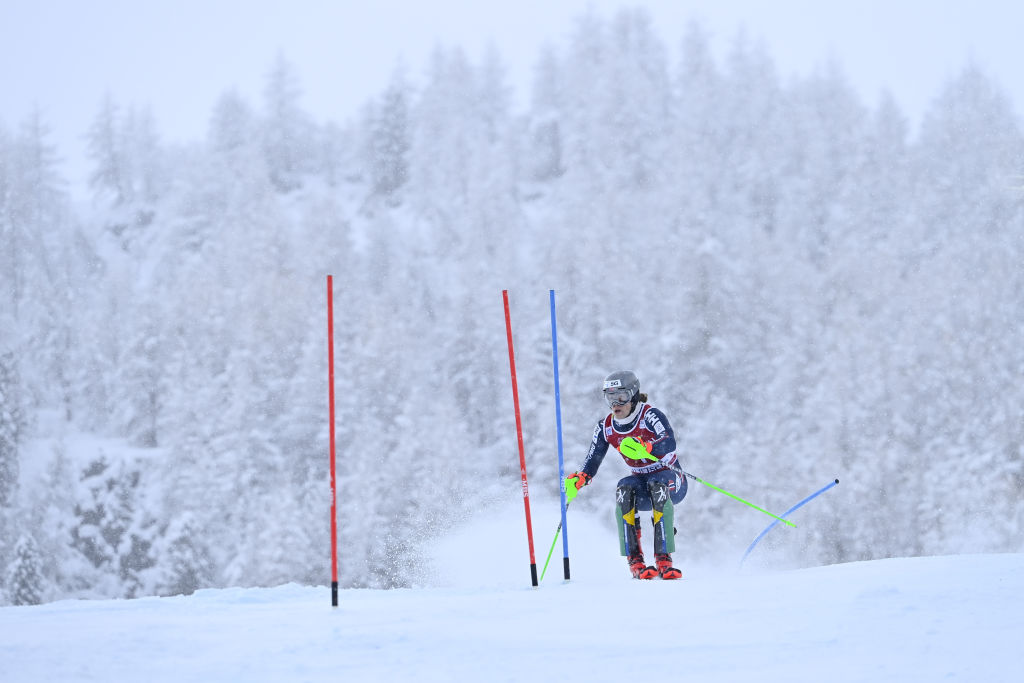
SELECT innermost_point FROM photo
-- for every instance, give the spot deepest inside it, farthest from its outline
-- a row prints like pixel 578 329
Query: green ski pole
pixel 570 493
pixel 734 497
pixel 557 531
pixel 635 450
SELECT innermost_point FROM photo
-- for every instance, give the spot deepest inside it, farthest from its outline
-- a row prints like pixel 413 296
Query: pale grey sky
pixel 178 56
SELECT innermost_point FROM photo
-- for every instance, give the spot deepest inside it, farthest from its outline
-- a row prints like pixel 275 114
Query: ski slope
pixel 955 618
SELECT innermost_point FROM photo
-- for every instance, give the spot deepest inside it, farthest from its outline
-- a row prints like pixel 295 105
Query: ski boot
pixel 639 569
pixel 665 569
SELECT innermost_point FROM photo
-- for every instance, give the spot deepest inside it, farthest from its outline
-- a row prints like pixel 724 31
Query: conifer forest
pixel 810 286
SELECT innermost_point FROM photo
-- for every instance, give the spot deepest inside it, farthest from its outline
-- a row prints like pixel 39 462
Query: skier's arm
pixel 595 455
pixel 664 438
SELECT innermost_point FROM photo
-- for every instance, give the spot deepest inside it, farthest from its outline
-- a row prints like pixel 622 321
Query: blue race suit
pixel 650 426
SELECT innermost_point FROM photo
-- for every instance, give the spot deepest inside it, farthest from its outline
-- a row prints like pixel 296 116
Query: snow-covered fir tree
pixel 24 580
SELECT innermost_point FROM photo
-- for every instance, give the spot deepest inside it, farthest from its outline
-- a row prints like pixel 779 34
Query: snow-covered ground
pixel 954 618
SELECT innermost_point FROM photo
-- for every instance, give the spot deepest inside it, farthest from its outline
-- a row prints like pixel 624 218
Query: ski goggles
pixel 617 397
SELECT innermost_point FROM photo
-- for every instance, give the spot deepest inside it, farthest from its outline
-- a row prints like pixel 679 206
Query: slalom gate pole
pixel 519 437
pixel 330 410
pixel 561 460
pixel 734 497
pixel 796 507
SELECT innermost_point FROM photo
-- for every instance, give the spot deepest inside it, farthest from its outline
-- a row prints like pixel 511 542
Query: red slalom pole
pixel 330 403
pixel 519 436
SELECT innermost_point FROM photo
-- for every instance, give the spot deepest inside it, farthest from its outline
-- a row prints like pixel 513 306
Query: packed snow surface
pixel 914 619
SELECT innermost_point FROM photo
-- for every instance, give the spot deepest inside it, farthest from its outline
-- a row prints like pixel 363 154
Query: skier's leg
pixel 626 518
pixel 662 517
pixel 629 528
pixel 660 488
pixel 677 487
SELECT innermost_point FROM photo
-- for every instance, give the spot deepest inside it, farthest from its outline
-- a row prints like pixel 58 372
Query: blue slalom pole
pixel 786 514
pixel 558 425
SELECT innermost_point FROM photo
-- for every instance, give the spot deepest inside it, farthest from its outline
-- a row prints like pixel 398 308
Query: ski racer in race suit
pixel 643 436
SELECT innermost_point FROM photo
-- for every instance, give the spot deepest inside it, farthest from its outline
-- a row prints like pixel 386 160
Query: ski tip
pixel 837 481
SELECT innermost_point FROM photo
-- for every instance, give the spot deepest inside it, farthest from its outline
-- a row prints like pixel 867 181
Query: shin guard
pixel 626 521
pixel 663 517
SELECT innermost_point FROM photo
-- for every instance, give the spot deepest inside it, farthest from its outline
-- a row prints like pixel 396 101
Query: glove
pixel 573 483
pixel 582 479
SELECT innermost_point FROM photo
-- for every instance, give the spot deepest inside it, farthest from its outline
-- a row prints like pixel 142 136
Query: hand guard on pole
pixel 636 450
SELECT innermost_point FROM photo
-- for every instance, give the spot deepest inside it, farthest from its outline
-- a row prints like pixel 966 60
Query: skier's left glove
pixel 573 483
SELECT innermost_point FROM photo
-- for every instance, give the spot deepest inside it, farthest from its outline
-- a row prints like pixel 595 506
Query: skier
pixel 643 436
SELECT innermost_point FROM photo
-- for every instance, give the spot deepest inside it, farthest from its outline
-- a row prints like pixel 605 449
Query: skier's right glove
pixel 573 483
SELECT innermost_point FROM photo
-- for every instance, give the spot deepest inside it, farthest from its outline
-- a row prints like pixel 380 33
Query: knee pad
pixel 625 498
pixel 659 495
